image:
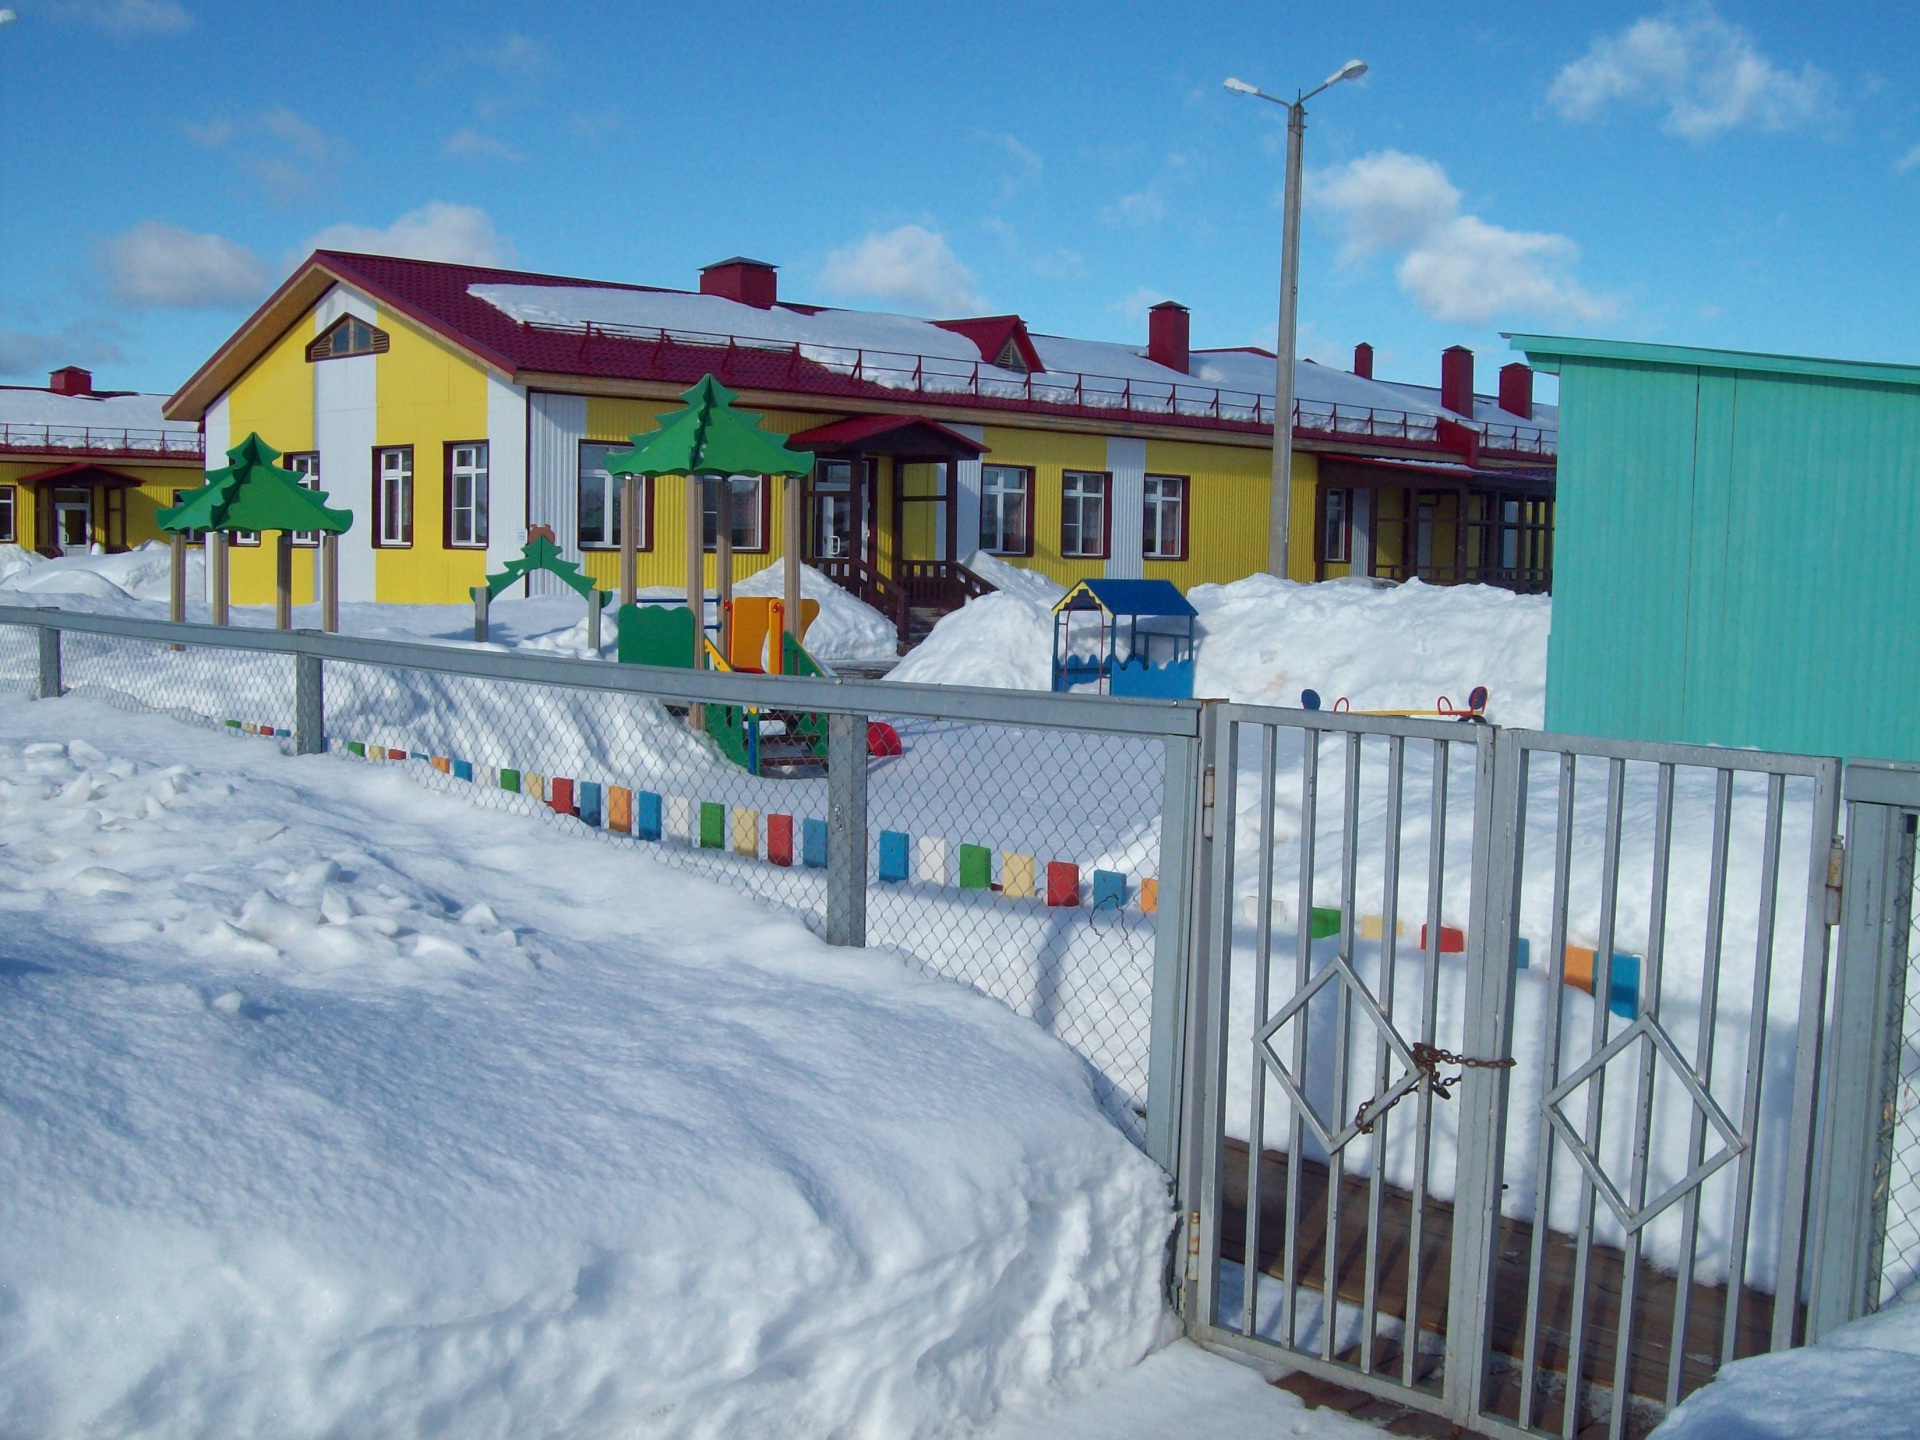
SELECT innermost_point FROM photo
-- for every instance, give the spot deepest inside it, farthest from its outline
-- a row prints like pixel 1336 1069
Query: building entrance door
pixel 837 526
pixel 72 522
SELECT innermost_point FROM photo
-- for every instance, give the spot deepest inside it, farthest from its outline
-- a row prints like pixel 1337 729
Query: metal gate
pixel 1508 1046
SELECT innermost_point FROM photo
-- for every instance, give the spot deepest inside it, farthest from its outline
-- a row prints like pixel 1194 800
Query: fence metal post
pixel 1180 793
pixel 1863 1057
pixel 309 706
pixel 846 829
pixel 50 687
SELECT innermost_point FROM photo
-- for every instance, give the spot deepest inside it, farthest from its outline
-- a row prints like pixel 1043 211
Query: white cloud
pixel 911 265
pixel 1133 307
pixel 1457 267
pixel 518 57
pixel 25 352
pixel 160 266
pixel 470 144
pixel 1908 161
pixel 463 234
pixel 126 19
pixel 1706 74
pixel 1143 207
pixel 293 157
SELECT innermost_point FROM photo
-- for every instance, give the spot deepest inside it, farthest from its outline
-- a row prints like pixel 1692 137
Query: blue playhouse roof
pixel 1132 597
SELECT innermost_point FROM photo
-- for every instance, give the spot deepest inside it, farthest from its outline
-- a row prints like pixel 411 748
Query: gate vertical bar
pixel 1179 823
pixel 1855 1097
pixel 309 706
pixel 1257 1073
pixel 846 829
pixel 49 687
pixel 1219 822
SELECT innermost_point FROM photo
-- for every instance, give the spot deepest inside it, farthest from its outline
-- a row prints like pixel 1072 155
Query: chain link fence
pixel 1014 847
pixel 1900 1187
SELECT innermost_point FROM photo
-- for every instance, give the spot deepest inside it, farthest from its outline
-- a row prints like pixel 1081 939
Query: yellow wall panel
pixel 1048 453
pixel 158 482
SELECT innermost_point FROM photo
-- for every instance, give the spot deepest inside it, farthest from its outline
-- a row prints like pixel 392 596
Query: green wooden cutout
pixel 710 437
pixel 655 635
pixel 541 553
pixel 252 493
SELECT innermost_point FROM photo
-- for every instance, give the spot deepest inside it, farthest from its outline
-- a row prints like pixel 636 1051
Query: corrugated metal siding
pixel 1738 559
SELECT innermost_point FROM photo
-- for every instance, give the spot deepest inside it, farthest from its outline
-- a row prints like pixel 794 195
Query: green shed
pixel 1736 548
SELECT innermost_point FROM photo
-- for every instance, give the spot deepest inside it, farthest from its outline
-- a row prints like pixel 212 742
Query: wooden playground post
pixel 283 581
pixel 723 563
pixel 697 588
pixel 329 582
pixel 217 574
pixel 790 623
pixel 176 576
pixel 629 539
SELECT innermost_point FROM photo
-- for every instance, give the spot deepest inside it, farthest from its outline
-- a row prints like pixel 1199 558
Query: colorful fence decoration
pixel 770 836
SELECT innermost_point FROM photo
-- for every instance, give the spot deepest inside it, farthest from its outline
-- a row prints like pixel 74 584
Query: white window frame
pixel 610 491
pixel 1165 498
pixel 1082 491
pixel 467 514
pixel 748 510
pixel 997 498
pixel 395 489
pixel 9 514
pixel 305 464
pixel 1336 527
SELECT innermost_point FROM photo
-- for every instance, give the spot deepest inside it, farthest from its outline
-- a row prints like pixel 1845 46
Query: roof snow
pixel 25 405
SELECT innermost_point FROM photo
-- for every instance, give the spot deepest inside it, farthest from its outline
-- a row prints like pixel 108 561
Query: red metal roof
pixel 992 332
pixel 860 431
pixel 81 474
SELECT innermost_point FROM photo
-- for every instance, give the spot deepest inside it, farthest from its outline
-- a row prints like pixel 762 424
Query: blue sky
pixel 1738 175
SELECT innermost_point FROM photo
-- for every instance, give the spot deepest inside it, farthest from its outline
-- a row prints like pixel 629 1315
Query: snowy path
pixel 330 1105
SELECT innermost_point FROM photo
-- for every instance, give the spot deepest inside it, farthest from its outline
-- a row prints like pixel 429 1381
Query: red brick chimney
pixel 1456 379
pixel 71 380
pixel 1516 389
pixel 751 282
pixel 1363 360
pixel 1167 330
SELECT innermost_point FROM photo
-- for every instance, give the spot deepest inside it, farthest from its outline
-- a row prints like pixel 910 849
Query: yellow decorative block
pixel 746 831
pixel 1016 876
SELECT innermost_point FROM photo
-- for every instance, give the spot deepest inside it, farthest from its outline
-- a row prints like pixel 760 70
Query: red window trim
pixel 379 492
pixel 446 495
pixel 1032 507
pixel 1186 516
pixel 646 489
pixel 1106 517
pixel 12 493
pixel 1346 527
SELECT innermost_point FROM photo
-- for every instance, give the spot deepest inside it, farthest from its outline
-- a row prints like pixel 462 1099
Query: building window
pixel 6 514
pixel 393 495
pixel 192 537
pixel 349 335
pixel 467 495
pixel 749 512
pixel 1083 515
pixel 1163 531
pixel 599 523
pixel 1005 506
pixel 305 464
pixel 1336 528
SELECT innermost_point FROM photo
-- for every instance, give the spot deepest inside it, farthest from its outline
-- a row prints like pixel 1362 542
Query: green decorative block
pixel 357 747
pixel 976 867
pixel 713 825
pixel 510 780
pixel 1325 922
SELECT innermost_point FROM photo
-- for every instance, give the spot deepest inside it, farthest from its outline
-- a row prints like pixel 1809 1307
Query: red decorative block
pixel 882 740
pixel 1063 883
pixel 561 797
pixel 1452 941
pixel 780 839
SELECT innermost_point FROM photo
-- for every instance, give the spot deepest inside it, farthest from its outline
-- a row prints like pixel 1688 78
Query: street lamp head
pixel 1239 87
pixel 1352 70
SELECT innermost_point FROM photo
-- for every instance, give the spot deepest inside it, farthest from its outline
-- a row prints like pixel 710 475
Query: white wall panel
pixel 507 470
pixel 1127 462
pixel 966 537
pixel 218 426
pixel 556 424
pixel 345 423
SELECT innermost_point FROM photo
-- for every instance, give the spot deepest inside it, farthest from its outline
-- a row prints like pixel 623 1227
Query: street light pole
pixel 1280 505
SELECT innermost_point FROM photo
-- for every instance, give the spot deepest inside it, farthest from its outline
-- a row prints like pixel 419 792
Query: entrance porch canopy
pixel 908 436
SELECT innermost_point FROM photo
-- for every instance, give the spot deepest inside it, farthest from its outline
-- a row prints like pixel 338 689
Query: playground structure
pixel 540 554
pixel 1473 713
pixel 252 495
pixel 1142 640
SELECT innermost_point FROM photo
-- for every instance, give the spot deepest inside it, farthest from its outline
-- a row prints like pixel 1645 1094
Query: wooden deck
pixel 1655 1303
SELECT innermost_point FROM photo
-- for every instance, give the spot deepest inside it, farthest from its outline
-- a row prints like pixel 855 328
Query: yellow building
pixel 451 407
pixel 81 467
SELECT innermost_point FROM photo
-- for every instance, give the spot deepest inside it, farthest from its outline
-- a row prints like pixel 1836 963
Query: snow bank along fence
pixel 1514 1076
pixel 1018 843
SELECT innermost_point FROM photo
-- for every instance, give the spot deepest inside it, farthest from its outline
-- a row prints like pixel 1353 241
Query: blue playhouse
pixel 1124 637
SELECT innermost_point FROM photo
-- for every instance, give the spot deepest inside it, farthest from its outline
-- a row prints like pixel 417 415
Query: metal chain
pixel 1427 1060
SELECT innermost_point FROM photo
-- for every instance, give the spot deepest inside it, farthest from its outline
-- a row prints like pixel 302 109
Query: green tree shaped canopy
pixel 710 437
pixel 253 493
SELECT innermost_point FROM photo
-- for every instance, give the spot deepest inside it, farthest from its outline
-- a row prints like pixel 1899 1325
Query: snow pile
pixel 16 560
pixel 1861 1383
pixel 1263 640
pixel 137 574
pixel 333 1108
pixel 847 628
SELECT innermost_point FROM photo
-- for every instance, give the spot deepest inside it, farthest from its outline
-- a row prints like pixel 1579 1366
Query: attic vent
pixel 350 335
pixel 1010 357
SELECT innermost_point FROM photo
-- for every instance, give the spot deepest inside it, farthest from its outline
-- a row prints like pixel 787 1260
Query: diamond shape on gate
pixel 1332 1138
pixel 1649 1032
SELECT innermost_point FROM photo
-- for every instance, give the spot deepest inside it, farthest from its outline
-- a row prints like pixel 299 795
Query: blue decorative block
pixel 1522 954
pixel 893 856
pixel 1109 890
pixel 463 770
pixel 813 844
pixel 1623 986
pixel 646 815
pixel 586 800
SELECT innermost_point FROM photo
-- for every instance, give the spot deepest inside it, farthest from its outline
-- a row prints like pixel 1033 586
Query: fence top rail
pixel 1027 708
pixel 1673 752
pixel 1411 727
pixel 1883 782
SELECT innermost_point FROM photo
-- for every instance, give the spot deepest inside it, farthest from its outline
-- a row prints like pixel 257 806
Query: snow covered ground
pixel 335 1106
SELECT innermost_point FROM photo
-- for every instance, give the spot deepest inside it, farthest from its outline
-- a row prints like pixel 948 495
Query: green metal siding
pixel 1737 558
